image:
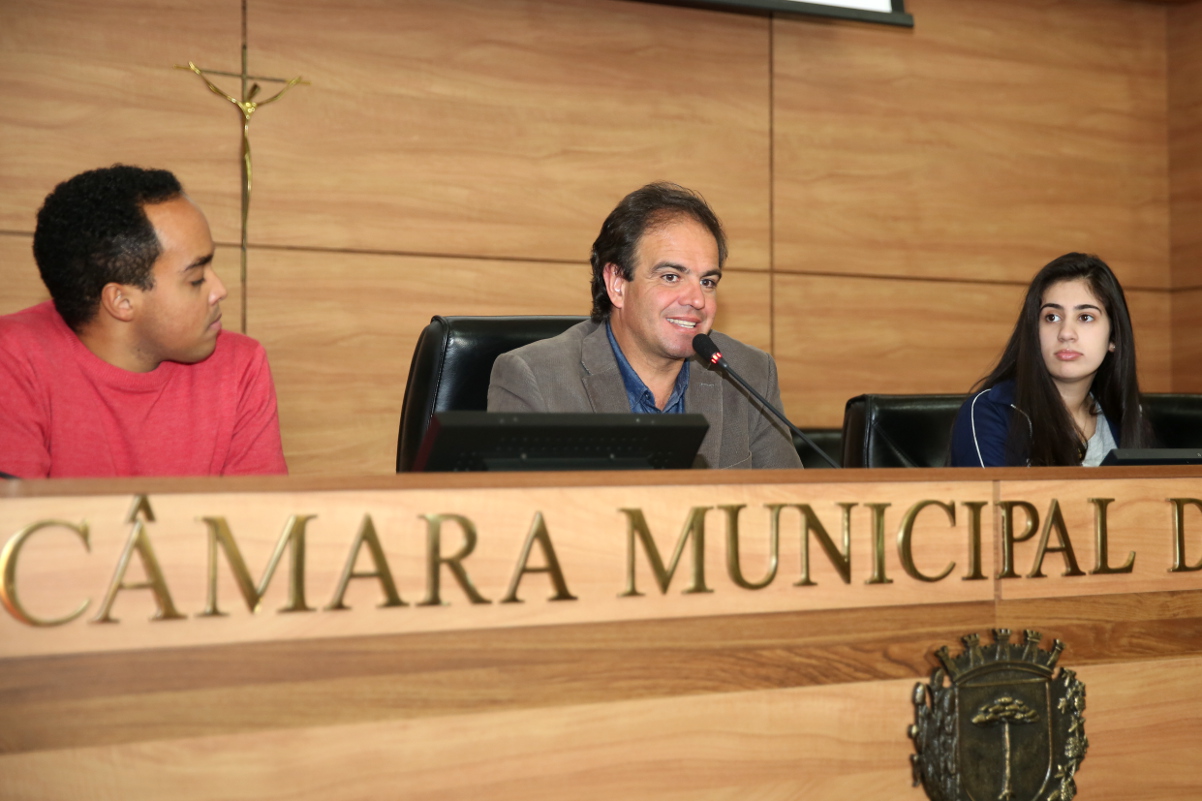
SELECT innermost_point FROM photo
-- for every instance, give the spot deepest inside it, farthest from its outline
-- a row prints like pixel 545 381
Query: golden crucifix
pixel 247 105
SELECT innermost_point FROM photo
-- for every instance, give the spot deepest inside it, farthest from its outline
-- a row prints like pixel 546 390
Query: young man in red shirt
pixel 127 371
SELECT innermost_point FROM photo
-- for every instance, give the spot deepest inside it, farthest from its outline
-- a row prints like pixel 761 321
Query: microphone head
pixel 707 349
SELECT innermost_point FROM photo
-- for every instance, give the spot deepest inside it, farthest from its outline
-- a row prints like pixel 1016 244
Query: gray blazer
pixel 577 372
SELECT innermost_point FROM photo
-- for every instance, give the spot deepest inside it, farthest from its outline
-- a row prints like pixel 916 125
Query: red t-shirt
pixel 65 412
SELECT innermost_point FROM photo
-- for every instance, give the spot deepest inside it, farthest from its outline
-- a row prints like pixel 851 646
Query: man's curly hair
pixel 92 230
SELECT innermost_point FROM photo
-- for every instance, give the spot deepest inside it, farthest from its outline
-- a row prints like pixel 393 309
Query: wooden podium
pixel 676 635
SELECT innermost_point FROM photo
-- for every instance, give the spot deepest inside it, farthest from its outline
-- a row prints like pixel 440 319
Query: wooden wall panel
pixel 1152 319
pixel 22 286
pixel 745 307
pixel 1185 169
pixel 840 337
pixel 1187 340
pixel 86 85
pixel 989 139
pixel 340 330
pixel 1185 143
pixel 227 263
pixel 505 128
pixel 973 148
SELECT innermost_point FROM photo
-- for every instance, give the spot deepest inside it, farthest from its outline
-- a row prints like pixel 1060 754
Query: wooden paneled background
pixel 888 192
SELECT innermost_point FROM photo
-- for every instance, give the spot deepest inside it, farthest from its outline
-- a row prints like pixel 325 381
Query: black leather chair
pixel 1176 419
pixel 898 430
pixel 451 367
pixel 916 430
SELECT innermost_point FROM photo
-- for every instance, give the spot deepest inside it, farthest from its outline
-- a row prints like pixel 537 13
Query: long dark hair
pixel 1047 436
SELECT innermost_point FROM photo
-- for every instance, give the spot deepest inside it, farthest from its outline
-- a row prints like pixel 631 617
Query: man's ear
pixel 615 284
pixel 118 301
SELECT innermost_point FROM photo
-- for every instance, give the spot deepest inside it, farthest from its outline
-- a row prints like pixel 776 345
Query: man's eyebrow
pixel 671 265
pixel 203 261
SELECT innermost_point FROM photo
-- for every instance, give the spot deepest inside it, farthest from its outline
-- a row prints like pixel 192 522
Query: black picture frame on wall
pixel 838 9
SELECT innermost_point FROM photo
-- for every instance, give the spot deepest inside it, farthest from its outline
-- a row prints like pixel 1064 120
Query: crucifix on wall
pixel 247 105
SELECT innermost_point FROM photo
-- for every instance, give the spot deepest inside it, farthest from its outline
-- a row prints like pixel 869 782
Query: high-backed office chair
pixel 916 430
pixel 451 367
pixel 1176 419
pixel 898 430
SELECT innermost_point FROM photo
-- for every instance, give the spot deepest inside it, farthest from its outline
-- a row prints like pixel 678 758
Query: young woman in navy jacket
pixel 1065 390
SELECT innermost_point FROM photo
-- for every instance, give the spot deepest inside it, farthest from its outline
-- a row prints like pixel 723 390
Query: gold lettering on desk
pixel 1180 564
pixel 435 560
pixel 694 530
pixel 8 572
pixel 974 539
pixel 840 558
pixel 367 535
pixel 139 542
pixel 538 533
pixel 1009 537
pixel 905 536
pixel 293 535
pixel 1102 541
pixel 878 544
pixel 1055 520
pixel 734 567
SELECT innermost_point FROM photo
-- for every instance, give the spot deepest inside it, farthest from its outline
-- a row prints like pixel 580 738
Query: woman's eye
pixel 1087 318
pixel 1051 318
pixel 198 282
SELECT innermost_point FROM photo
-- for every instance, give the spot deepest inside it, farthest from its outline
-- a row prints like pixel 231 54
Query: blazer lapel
pixel 704 396
pixel 602 380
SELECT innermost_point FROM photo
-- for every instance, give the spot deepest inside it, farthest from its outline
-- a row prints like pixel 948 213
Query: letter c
pixel 8 572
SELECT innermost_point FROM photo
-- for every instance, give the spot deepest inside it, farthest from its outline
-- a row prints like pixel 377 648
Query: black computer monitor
pixel 479 441
pixel 1143 456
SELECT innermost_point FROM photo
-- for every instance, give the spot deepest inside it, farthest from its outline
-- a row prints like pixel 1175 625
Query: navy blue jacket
pixel 983 425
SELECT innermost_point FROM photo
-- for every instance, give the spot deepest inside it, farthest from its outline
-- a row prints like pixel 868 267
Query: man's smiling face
pixel 672 294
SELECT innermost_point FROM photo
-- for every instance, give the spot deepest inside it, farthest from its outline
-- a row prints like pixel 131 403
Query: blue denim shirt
pixel 642 400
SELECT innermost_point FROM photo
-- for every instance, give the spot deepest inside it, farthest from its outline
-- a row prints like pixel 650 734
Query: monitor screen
pixel 1136 456
pixel 492 441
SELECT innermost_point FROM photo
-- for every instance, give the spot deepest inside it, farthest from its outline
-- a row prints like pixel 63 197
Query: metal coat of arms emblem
pixel 995 724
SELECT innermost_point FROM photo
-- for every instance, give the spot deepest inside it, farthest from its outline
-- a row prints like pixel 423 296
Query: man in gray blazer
pixel 656 267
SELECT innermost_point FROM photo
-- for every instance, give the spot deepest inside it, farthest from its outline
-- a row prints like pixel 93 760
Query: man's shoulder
pixel 35 335
pixel 239 346
pixel 34 321
pixel 565 345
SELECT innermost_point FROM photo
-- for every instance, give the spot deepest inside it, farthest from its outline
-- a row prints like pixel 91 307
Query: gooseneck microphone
pixel 708 350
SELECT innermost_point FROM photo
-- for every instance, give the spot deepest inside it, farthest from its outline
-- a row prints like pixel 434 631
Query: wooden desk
pixel 791 690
